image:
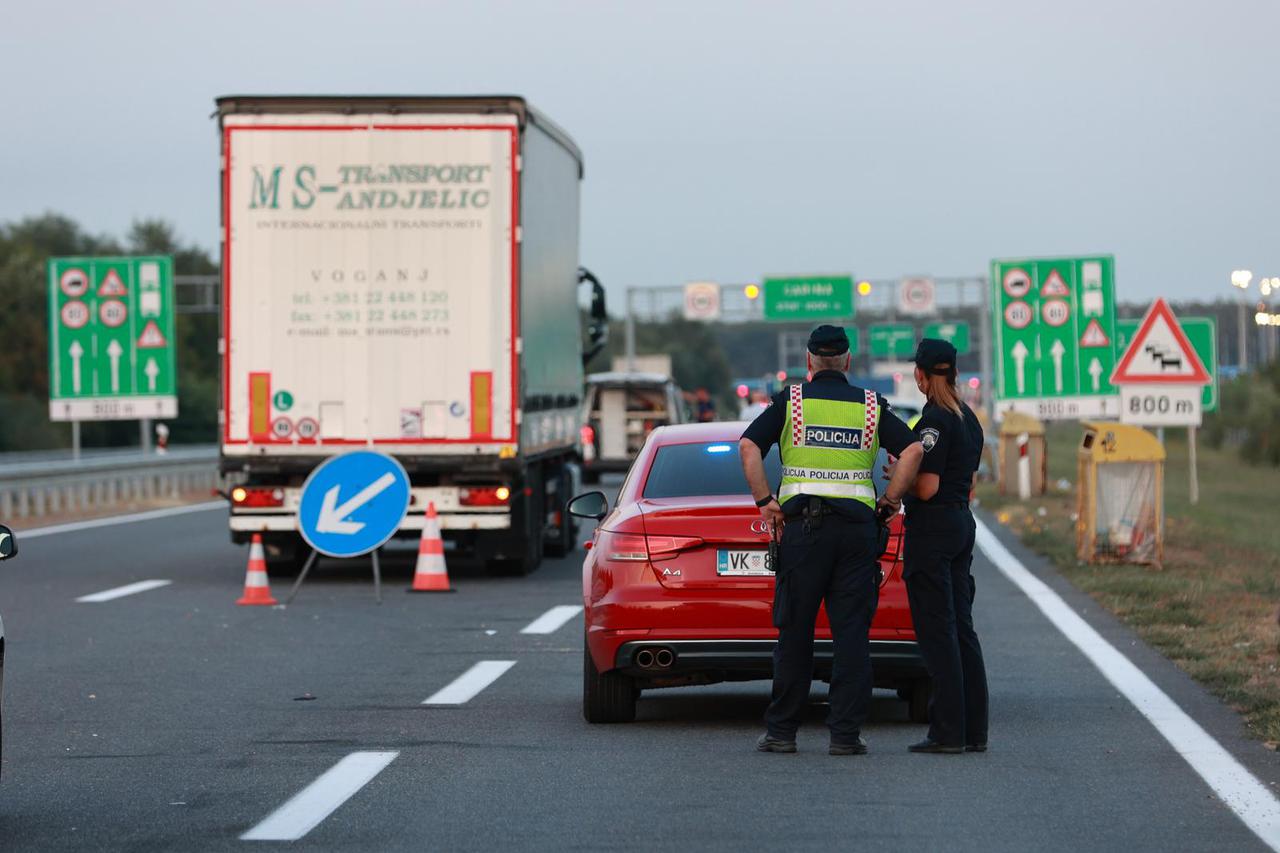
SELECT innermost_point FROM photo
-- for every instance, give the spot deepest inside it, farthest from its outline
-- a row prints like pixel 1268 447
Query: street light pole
pixel 1241 279
pixel 631 329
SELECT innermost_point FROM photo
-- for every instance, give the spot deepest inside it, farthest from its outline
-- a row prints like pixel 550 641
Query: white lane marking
pixel 72 527
pixel 321 798
pixel 1242 792
pixel 471 682
pixel 122 591
pixel 552 620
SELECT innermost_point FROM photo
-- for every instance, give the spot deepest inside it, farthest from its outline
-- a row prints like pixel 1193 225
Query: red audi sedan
pixel 677 590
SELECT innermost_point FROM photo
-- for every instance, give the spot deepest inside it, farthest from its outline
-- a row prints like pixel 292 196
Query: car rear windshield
pixel 713 468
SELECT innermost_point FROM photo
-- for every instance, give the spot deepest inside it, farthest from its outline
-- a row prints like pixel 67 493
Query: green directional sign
pixel 957 333
pixel 111 339
pixel 892 340
pixel 1054 321
pixel 1202 332
pixel 815 297
pixel 854 340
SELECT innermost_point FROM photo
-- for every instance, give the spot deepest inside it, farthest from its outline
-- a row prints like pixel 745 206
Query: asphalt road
pixel 170 719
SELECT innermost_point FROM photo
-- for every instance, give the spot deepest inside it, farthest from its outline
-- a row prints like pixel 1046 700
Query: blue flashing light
pixel 719 448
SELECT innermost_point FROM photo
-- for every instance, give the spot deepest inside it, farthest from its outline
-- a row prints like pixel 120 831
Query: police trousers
pixel 938 557
pixel 834 562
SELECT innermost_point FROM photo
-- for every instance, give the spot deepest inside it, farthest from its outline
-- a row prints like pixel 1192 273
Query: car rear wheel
pixel 918 701
pixel 606 698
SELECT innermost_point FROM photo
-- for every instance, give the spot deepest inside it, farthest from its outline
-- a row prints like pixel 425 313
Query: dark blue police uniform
pixel 831 553
pixel 938 555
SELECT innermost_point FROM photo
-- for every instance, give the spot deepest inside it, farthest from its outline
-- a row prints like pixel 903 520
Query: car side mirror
pixel 590 505
pixel 8 545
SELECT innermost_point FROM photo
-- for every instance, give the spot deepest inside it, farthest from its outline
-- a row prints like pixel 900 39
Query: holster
pixel 781 584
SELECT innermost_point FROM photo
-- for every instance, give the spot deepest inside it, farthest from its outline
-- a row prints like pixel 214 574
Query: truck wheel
pixel 918 704
pixel 562 542
pixel 607 698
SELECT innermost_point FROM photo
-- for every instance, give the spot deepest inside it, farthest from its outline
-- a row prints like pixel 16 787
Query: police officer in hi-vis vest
pixel 828 433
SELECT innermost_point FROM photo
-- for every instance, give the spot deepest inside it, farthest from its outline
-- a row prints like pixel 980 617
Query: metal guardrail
pixel 37 488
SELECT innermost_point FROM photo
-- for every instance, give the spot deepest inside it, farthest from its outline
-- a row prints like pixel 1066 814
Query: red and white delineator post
pixel 430 574
pixel 1024 467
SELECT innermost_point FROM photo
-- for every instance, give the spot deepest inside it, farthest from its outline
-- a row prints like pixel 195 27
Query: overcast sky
pixel 723 141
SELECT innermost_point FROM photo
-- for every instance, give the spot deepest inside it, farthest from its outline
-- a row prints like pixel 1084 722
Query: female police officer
pixel 938 554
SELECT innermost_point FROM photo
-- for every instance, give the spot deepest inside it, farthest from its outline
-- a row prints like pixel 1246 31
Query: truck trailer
pixel 401 274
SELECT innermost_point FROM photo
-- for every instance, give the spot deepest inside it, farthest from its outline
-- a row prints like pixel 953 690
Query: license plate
pixel 742 563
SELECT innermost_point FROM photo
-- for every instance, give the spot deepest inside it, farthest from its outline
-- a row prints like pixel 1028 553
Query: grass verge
pixel 1212 608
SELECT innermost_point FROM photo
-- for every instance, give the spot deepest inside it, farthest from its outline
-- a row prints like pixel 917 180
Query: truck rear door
pixel 370 282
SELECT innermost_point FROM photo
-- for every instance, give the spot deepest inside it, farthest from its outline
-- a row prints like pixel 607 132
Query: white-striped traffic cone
pixel 256 588
pixel 430 575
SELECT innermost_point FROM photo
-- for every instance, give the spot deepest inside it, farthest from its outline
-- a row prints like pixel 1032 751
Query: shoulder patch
pixel 928 437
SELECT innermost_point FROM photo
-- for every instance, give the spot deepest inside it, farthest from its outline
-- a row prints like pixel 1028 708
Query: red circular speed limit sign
pixel 74 314
pixel 112 313
pixel 308 428
pixel 1056 312
pixel 1018 315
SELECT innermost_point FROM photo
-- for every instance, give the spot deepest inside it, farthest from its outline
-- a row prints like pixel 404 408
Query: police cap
pixel 936 356
pixel 828 340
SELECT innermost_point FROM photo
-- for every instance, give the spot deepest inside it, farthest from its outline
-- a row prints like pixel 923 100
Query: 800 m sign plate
pixel 1160 405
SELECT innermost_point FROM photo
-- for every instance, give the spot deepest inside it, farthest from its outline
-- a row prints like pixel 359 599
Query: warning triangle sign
pixel 1054 286
pixel 111 285
pixel 1160 352
pixel 1094 336
pixel 151 338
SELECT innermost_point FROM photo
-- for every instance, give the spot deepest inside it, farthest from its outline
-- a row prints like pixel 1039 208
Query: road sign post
pixel 1054 322
pixel 350 506
pixel 819 297
pixel 1162 380
pixel 111 339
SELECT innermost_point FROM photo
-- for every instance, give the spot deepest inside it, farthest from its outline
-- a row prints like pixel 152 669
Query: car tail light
pixel 665 547
pixel 257 496
pixel 484 495
pixel 634 547
pixel 624 546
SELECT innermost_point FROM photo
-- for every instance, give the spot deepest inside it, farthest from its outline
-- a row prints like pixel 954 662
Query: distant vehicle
pixel 620 411
pixel 402 273
pixel 8 550
pixel 677 592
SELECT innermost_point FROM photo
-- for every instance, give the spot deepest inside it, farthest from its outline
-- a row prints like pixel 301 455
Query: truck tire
pixel 526 535
pixel 608 697
pixel 918 704
pixel 562 544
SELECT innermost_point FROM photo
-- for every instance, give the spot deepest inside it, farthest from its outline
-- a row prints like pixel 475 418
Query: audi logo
pixel 759 526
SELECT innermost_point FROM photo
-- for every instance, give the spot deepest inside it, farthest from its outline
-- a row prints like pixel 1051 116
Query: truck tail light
pixel 484 495
pixel 634 547
pixel 588 435
pixel 256 497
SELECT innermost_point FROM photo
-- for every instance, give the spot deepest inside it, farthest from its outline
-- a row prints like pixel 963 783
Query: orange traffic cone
pixel 430 575
pixel 256 588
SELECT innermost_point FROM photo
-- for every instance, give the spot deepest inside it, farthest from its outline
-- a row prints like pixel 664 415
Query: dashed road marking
pixel 304 811
pixel 122 591
pixel 110 520
pixel 466 686
pixel 1242 792
pixel 552 620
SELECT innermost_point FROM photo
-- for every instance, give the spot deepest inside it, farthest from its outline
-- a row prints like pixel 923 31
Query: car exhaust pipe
pixel 664 658
pixel 644 658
